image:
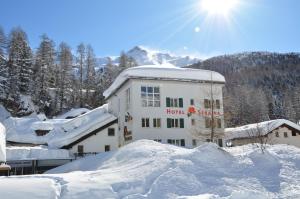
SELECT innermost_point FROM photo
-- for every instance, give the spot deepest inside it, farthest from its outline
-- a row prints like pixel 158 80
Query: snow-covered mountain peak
pixel 146 56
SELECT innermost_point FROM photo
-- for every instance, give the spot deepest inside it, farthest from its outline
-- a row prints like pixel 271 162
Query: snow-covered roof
pixel 62 131
pixel 261 128
pixel 35 153
pixel 73 113
pixel 2 144
pixel 165 72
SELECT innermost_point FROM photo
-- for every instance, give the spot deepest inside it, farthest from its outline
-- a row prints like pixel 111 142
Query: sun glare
pixel 218 7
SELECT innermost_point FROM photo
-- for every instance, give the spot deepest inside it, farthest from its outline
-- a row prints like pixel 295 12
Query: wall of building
pixel 96 143
pixel 290 139
pixel 172 89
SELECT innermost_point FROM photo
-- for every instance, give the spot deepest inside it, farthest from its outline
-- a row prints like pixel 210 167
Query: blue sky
pixel 114 25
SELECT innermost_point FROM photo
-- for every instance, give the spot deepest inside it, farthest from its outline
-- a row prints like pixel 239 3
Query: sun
pixel 218 7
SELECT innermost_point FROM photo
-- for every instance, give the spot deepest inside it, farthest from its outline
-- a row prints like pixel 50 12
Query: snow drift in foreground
pixel 146 169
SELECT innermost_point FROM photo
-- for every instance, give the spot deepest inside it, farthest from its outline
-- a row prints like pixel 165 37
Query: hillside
pixel 259 85
pixel 146 169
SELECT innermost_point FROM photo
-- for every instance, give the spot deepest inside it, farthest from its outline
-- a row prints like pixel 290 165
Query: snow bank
pixel 147 169
pixel 2 144
pixel 261 128
pixel 164 71
pixel 35 153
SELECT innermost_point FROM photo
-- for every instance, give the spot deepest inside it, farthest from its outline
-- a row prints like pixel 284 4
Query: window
pixel 177 142
pixel 175 123
pixel 111 131
pixel 219 123
pixel 80 149
pixel 107 148
pixel 182 142
pixel 194 142
pixel 207 122
pixel 174 102
pixel 41 132
pixel 285 134
pixel 276 134
pixel 218 105
pixel 156 123
pixel 128 98
pixel 150 96
pixel 157 140
pixel 294 133
pixel 145 122
pixel 207 103
pixel 193 122
pixel 181 122
pixel 220 142
pixel 192 102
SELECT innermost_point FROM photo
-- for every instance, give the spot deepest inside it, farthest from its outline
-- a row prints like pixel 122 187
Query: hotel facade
pixel 179 106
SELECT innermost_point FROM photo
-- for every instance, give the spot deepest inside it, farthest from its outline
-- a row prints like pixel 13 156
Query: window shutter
pixel 181 123
pixel 168 102
pixel 180 102
pixel 169 121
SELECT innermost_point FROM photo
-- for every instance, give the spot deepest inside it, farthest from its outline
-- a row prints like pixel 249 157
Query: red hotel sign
pixel 201 112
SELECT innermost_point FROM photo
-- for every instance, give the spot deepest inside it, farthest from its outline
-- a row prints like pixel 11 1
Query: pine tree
pixel 19 65
pixel 3 63
pixel 65 75
pixel 123 63
pixel 81 56
pixel 44 71
pixel 90 73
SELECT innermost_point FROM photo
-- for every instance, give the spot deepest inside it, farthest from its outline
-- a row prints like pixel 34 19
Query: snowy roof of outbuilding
pixel 62 131
pixel 164 72
pixel 261 128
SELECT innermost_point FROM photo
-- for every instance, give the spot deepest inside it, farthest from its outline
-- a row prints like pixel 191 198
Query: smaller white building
pixel 278 131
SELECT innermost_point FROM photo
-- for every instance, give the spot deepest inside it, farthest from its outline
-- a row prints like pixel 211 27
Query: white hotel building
pixel 167 104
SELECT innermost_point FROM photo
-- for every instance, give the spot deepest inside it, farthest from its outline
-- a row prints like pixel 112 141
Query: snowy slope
pixel 146 169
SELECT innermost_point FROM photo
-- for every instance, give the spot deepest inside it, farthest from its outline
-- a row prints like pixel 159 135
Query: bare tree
pixel 211 116
pixel 258 135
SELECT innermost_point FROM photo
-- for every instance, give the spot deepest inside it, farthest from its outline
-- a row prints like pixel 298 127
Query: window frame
pixel 156 122
pixel 150 96
pixel 145 122
pixel 109 133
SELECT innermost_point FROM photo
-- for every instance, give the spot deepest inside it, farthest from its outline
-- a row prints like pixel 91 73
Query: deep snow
pixel 146 169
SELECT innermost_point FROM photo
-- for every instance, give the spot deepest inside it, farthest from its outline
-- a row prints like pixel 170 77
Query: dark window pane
pixel 169 123
pixel 181 123
pixel 180 102
pixel 182 142
pixel 150 89
pixel 168 102
pixel 143 89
